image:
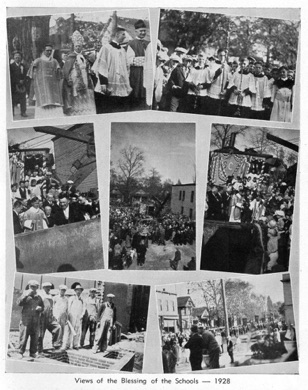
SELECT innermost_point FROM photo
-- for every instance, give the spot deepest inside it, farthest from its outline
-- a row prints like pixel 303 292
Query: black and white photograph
pixel 98 325
pixel 55 198
pixel 226 323
pixel 250 199
pixel 79 63
pixel 226 65
pixel 152 196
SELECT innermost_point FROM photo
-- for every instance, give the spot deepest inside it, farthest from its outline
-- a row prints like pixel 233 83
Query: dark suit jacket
pixel 74 215
pixel 18 73
pixel 17 225
pixel 177 77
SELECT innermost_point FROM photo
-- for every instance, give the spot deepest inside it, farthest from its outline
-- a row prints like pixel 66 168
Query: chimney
pixel 232 140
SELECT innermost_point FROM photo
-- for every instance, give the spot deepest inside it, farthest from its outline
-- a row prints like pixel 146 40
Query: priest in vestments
pixel 78 90
pixel 46 75
pixel 112 71
pixel 136 59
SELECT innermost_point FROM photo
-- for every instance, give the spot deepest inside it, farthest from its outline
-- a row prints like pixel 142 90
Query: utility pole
pixel 223 292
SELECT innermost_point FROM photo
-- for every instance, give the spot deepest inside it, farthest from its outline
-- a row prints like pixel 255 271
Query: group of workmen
pixel 68 316
pixel 212 85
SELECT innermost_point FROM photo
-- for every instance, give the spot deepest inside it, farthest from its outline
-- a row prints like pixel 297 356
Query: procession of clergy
pixel 213 86
pixel 68 316
pixel 112 78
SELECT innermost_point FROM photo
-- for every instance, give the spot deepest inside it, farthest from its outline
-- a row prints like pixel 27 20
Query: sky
pixel 266 285
pixel 244 140
pixel 104 16
pixel 167 147
pixel 34 139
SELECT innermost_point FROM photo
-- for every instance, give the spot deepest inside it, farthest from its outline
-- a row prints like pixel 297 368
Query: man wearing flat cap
pixel 89 319
pixel 60 309
pixel 211 345
pixel 195 345
pixel 177 86
pixel 32 305
pixel 107 315
pixel 75 314
pixel 48 320
pixel 136 59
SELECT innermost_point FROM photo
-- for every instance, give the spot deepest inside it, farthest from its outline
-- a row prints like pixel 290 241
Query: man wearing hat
pixel 75 314
pixel 107 315
pixel 89 319
pixel 211 345
pixel 48 320
pixel 18 73
pixel 60 309
pixel 32 305
pixel 136 59
pixel 195 345
pixel 180 52
pixel 176 86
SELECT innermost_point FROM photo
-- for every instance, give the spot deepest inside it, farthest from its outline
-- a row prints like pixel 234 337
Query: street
pixel 158 256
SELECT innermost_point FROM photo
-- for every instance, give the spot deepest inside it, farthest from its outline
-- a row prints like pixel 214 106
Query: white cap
pixel 110 296
pixel 174 57
pixel 46 284
pixel 181 50
pixel 33 283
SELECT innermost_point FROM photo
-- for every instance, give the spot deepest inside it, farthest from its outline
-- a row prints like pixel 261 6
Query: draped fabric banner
pixel 224 165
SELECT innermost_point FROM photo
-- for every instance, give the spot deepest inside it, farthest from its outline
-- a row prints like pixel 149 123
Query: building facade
pixel 167 308
pixel 183 200
pixel 185 310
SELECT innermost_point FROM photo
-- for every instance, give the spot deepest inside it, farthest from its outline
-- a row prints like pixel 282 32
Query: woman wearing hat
pixel 78 87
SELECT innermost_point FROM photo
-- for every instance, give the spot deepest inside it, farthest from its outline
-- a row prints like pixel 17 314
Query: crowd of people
pixel 40 201
pixel 198 84
pixel 131 233
pixel 68 314
pixel 112 77
pixel 257 198
pixel 211 343
pixel 199 341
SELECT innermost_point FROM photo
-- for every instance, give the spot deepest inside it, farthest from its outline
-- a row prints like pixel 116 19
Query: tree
pixel 211 294
pixel 221 133
pixel 130 168
pixel 260 142
pixel 267 39
pixel 152 183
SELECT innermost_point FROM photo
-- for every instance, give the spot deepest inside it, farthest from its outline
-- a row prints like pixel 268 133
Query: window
pixel 192 195
pixel 182 210
pixel 190 213
pixel 180 195
pixel 160 305
pixel 167 305
pixel 183 196
pixel 173 306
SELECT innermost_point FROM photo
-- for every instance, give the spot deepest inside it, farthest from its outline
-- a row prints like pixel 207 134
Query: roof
pixel 183 185
pixel 199 311
pixel 182 301
pixel 247 152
